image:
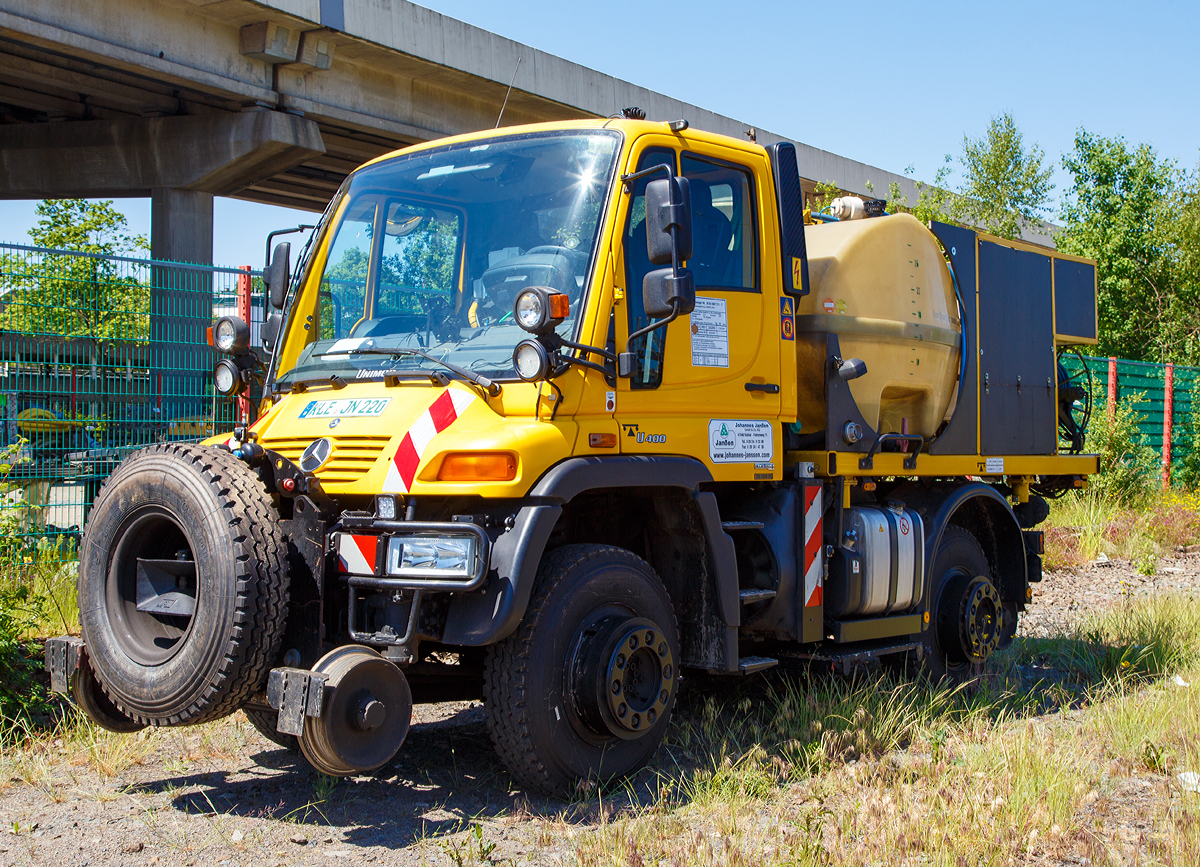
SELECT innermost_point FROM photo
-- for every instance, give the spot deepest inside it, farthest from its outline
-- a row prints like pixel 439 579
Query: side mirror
pixel 668 206
pixel 270 330
pixel 664 292
pixel 278 274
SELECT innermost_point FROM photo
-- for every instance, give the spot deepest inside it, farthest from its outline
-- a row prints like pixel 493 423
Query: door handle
pixel 768 387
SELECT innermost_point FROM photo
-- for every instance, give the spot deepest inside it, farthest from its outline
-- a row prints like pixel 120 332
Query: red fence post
pixel 244 286
pixel 1112 387
pixel 1168 412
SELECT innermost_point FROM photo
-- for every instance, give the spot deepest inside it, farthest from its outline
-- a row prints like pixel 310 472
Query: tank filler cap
pixel 848 208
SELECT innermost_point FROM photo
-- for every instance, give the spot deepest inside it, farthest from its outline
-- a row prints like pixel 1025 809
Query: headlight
pixel 432 556
pixel 540 309
pixel 227 378
pixel 531 360
pixel 231 335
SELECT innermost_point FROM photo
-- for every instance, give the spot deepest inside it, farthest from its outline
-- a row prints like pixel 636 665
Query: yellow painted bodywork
pixel 672 419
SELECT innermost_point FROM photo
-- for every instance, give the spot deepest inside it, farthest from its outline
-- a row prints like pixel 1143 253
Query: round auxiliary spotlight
pixel 531 360
pixel 540 309
pixel 227 378
pixel 231 335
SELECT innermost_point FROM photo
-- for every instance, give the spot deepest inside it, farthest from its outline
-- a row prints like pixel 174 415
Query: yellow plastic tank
pixel 883 287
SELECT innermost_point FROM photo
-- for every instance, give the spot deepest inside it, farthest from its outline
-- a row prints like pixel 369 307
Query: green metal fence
pixel 1150 380
pixel 99 355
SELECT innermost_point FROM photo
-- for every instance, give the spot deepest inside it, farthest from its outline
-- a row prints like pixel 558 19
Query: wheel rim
pixel 152 573
pixel 980 620
pixel 366 717
pixel 969 619
pixel 622 675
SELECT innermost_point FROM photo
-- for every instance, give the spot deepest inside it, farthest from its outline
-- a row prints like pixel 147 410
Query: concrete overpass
pixel 277 100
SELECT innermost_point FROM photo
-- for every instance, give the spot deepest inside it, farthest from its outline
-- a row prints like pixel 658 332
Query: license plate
pixel 349 407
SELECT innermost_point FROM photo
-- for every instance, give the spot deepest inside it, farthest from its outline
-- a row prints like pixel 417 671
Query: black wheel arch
pixel 983 512
pixel 657 493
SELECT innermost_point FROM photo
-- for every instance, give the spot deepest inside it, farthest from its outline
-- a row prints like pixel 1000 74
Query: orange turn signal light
pixel 208 335
pixel 602 440
pixel 478 467
pixel 560 306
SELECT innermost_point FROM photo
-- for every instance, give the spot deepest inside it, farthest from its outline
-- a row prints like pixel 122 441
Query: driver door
pixel 706 385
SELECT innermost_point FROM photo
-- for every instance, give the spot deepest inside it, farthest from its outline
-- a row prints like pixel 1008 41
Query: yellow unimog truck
pixel 557 415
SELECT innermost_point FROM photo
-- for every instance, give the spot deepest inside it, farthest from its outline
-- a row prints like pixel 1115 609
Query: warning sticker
pixel 787 324
pixel 710 333
pixel 732 441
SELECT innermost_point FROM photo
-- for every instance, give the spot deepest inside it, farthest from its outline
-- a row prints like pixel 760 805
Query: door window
pixel 723 241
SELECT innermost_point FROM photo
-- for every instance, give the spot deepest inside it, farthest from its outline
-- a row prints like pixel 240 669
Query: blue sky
pixel 888 83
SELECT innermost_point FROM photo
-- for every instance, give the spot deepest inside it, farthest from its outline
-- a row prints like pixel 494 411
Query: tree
pixel 934 200
pixel 52 292
pixel 1116 212
pixel 1006 187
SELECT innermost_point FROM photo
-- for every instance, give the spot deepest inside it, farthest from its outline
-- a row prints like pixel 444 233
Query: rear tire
pixel 192 530
pixel 583 690
pixel 965 610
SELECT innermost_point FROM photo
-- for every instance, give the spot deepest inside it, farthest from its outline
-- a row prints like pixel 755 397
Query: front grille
pixel 352 457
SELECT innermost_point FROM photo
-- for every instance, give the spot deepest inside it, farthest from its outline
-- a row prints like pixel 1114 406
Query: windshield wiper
pixel 492 388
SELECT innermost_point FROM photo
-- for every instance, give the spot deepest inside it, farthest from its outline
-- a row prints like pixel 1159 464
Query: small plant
pixel 474 850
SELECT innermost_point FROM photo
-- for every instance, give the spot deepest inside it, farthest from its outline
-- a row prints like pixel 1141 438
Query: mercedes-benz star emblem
pixel 315 456
pixel 335 422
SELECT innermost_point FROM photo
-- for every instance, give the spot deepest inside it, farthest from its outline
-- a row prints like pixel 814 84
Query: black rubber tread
pixel 508 663
pixel 935 664
pixel 264 723
pixel 255 634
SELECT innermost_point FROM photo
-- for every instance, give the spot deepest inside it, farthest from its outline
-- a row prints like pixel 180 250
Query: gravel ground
pixel 1062 597
pixel 221 795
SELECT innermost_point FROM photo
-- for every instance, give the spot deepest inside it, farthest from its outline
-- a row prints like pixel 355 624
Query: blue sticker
pixel 787 321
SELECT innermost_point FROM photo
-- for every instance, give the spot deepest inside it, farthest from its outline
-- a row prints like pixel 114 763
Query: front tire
pixel 583 690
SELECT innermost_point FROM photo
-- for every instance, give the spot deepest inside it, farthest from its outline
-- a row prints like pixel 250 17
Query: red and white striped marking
pixel 813 566
pixel 442 413
pixel 356 554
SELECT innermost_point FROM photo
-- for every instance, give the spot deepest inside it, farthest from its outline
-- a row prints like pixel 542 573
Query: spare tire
pixel 183 584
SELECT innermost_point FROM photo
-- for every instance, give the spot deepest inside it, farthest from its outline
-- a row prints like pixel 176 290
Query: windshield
pixel 431 249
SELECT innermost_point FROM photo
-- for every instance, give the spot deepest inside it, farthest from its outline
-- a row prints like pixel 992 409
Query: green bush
pixel 1127 462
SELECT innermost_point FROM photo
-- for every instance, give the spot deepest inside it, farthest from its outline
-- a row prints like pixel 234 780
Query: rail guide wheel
pixel 366 714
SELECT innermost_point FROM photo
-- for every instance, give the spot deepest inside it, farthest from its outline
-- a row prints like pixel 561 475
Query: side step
pixel 749 597
pixel 753 664
pixel 730 526
pixel 845 661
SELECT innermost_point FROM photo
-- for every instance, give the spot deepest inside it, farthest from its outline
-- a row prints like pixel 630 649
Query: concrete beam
pixel 181 226
pixel 213 154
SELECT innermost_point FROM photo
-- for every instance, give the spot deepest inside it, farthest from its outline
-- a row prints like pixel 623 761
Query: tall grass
pixel 823 771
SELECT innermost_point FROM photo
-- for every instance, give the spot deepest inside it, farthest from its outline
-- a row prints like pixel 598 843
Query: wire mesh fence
pixel 99 356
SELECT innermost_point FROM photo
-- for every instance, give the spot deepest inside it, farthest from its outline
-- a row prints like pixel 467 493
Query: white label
pixel 347 408
pixel 732 441
pixel 710 333
pixel 995 465
pixel 346 345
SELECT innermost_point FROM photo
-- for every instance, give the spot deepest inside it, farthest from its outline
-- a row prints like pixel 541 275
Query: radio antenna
pixel 506 93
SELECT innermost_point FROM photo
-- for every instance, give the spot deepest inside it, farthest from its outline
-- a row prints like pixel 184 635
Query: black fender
pixel 964 505
pixel 492 614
